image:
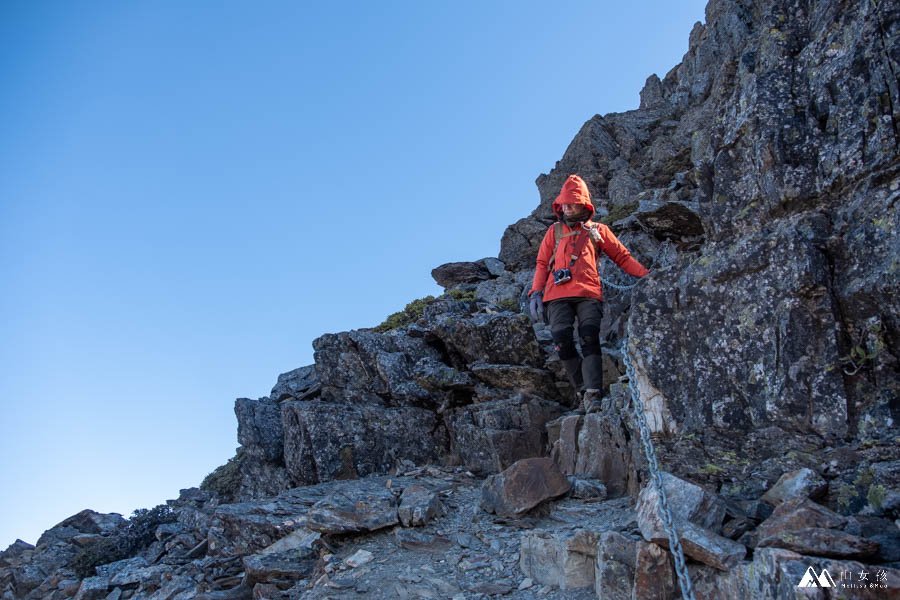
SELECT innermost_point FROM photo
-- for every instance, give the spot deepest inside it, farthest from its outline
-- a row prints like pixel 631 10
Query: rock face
pixel 759 179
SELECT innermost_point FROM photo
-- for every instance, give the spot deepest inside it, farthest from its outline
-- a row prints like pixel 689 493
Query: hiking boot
pixel 590 402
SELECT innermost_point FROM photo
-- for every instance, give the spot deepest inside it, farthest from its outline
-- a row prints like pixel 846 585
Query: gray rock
pixel 821 542
pixel 451 274
pixel 418 506
pixel 587 489
pixel 490 436
pixel 520 243
pixel 802 483
pixel 687 501
pixel 799 513
pixel 325 441
pixel 516 378
pixel 707 547
pixel 364 367
pixel 366 507
pixel 564 560
pixel 523 486
pixel 502 292
pixel 282 567
pixel 299 384
pixel 93 588
pixel 259 428
pixel 499 338
pixel 494 265
pixel 627 569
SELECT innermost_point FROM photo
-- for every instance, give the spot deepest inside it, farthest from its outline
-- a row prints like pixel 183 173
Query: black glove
pixel 536 305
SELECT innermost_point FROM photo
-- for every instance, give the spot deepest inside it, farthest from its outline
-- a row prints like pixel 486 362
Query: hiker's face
pixel 571 209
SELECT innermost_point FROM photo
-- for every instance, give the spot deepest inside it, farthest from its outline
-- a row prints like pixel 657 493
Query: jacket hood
pixel 574 191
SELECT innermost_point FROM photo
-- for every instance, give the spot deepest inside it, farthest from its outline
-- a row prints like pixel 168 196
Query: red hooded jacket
pixel 585 282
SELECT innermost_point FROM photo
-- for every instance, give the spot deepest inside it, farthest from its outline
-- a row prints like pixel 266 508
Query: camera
pixel 561 276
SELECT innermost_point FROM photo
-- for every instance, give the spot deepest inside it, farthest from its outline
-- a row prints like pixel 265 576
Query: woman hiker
pixel 567 284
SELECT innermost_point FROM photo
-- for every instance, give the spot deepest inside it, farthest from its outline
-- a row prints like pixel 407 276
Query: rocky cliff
pixel 759 179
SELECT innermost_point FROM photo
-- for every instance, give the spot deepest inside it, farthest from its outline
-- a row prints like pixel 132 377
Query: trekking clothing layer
pixel 562 314
pixel 585 282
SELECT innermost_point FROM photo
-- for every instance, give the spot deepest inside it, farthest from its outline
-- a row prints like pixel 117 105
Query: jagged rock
pixel 249 527
pixel 359 558
pixel 494 265
pixel 821 542
pixel 499 338
pixel 435 375
pixel 799 513
pixel 325 441
pixel 93 588
pixel 588 488
pixel 503 292
pixel 364 367
pixel 366 507
pixel 299 384
pixel 451 274
pixel 86 521
pixel 626 569
pixel 698 517
pixel 415 540
pixel 520 243
pixel 604 452
pixel 490 436
pixel 688 502
pixel 523 379
pixel 802 483
pixel 280 568
pixel 707 547
pixel 564 560
pixel 259 428
pixel 523 486
pixel 673 219
pixel 776 573
pixel 418 506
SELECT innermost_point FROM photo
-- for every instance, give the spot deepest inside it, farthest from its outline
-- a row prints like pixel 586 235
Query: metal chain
pixel 684 578
pixel 662 257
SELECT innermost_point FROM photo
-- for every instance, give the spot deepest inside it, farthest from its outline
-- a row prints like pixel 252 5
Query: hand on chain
pixel 592 231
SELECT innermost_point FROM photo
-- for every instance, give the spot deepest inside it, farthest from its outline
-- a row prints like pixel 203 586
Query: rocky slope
pixel 759 178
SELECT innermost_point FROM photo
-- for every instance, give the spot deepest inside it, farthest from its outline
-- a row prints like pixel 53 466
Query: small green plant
pixel 617 213
pixel 876 496
pixel 508 304
pixel 462 295
pixel 138 534
pixel 225 481
pixel 410 314
pixel 711 469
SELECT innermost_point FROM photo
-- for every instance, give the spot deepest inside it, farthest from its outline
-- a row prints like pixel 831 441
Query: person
pixel 567 288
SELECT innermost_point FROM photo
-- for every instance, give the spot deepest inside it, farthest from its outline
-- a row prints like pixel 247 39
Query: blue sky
pixel 193 191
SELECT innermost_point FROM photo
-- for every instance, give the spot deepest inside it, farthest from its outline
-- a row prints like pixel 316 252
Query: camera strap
pixel 558 236
pixel 579 245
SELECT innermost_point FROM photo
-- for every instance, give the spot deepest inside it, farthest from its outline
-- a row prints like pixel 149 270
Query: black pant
pixel 561 316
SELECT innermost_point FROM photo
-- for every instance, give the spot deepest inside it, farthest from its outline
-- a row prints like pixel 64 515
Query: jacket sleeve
pixel 620 255
pixel 543 259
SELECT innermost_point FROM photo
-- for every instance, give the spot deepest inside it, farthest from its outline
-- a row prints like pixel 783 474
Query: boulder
pixel 492 338
pixel 821 542
pixel 418 506
pixel 299 384
pixel 799 513
pixel 452 274
pixel 325 441
pixel 367 506
pixel 562 560
pixel 365 367
pixel 802 483
pixel 259 428
pixel 523 486
pixel 490 436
